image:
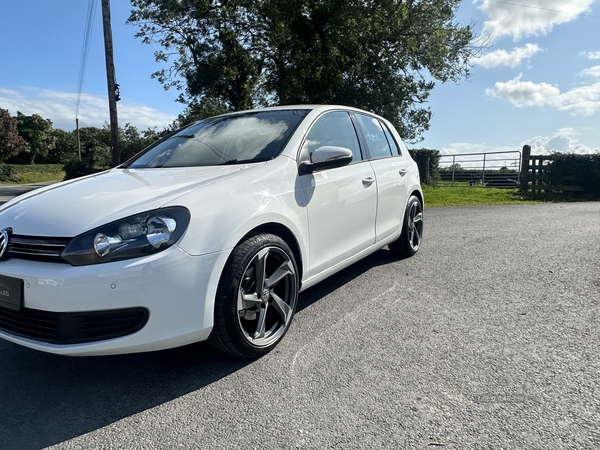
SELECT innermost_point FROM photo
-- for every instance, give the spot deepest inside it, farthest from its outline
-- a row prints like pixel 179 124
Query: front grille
pixel 72 328
pixel 37 248
pixel 31 323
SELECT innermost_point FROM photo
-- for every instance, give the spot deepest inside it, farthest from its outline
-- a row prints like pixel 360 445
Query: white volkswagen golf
pixel 210 233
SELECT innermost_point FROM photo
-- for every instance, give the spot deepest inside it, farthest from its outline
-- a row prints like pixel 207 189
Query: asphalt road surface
pixel 9 191
pixel 488 338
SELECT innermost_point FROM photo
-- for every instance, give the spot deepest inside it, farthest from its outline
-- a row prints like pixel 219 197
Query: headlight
pixel 131 237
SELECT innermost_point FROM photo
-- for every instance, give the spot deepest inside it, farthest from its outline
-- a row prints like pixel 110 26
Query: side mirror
pixel 326 157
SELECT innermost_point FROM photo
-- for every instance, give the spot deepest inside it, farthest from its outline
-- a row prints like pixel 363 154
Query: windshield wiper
pixel 244 161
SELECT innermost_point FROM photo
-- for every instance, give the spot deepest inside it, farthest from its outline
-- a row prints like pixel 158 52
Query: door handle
pixel 368 181
pixel 402 172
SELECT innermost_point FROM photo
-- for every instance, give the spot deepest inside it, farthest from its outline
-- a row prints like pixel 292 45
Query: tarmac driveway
pixel 488 338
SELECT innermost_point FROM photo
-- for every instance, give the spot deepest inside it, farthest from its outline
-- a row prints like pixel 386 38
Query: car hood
pixel 73 207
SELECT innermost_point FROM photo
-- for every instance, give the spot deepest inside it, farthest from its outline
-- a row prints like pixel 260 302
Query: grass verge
pixel 465 196
pixel 468 196
pixel 34 173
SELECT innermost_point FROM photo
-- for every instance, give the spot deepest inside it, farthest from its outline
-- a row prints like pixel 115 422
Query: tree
pixel 198 110
pixel 132 141
pixel 65 147
pixel 380 55
pixel 95 146
pixel 11 144
pixel 38 133
pixel 454 167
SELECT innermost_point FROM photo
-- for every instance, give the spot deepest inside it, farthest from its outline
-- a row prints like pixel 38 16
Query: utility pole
pixel 78 140
pixel 110 77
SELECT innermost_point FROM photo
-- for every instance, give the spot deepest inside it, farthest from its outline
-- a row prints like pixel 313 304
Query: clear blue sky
pixel 538 82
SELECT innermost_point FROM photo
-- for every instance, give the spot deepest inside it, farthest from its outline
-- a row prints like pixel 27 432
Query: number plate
pixel 11 292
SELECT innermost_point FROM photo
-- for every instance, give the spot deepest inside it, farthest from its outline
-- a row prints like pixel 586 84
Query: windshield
pixel 231 139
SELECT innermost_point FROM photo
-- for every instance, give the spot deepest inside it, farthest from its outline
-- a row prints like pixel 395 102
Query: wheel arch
pixel 417 193
pixel 284 233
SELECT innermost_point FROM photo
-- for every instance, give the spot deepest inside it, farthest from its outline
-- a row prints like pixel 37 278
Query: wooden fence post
pixel 525 167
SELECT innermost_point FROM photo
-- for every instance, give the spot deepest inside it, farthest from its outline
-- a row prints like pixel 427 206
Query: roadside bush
pixel 6 172
pixel 39 168
pixel 576 170
pixel 76 169
pixel 30 173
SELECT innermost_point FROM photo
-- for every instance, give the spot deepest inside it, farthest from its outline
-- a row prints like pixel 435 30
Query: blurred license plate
pixel 11 292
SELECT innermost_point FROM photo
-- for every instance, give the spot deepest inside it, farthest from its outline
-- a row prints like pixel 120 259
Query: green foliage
pixel 38 168
pixel 32 139
pixel 382 56
pixel 465 196
pixel 65 147
pixel 38 133
pixel 132 142
pixel 30 173
pixel 428 162
pixel 576 170
pixel 11 143
pixel 75 169
pixel 6 172
pixel 198 110
pixel 95 146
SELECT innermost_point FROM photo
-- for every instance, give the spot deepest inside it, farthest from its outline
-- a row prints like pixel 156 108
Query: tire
pixel 256 297
pixel 410 239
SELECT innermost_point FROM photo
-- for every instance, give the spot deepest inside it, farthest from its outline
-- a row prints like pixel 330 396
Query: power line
pixel 89 26
pixel 544 9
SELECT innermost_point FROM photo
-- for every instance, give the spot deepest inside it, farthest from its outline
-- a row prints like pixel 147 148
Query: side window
pixel 375 135
pixel 334 128
pixel 395 149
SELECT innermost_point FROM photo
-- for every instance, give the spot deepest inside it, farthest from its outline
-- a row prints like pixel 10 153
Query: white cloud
pixel 563 140
pixel 504 58
pixel 583 100
pixel 60 108
pixel 521 18
pixel 567 131
pixel 591 55
pixel 471 147
pixel 591 72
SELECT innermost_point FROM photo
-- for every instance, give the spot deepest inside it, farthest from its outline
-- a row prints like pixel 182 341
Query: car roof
pixel 313 107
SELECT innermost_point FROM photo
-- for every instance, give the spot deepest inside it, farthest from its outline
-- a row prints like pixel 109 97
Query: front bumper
pixel 173 290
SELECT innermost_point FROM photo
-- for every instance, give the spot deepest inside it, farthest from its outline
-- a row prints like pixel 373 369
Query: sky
pixel 537 82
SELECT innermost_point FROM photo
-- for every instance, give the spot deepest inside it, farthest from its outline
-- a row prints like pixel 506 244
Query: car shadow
pixel 336 281
pixel 47 399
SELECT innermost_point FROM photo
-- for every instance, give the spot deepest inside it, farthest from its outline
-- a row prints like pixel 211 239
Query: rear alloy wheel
pixel 409 241
pixel 256 297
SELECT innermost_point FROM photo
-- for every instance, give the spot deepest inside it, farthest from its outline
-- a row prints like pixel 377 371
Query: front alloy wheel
pixel 257 296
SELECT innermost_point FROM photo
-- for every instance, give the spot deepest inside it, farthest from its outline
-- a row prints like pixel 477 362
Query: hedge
pixel 580 170
pixel 428 162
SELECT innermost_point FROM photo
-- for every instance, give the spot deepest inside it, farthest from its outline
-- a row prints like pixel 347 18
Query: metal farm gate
pixel 493 169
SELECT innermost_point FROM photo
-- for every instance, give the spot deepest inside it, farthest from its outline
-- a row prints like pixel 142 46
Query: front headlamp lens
pixel 130 237
pixel 130 230
pixel 101 244
pixel 159 230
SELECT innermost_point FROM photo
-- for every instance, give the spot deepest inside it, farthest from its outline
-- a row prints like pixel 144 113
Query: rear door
pixel 391 168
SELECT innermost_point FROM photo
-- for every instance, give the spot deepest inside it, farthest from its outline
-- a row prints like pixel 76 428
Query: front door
pixel 341 203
